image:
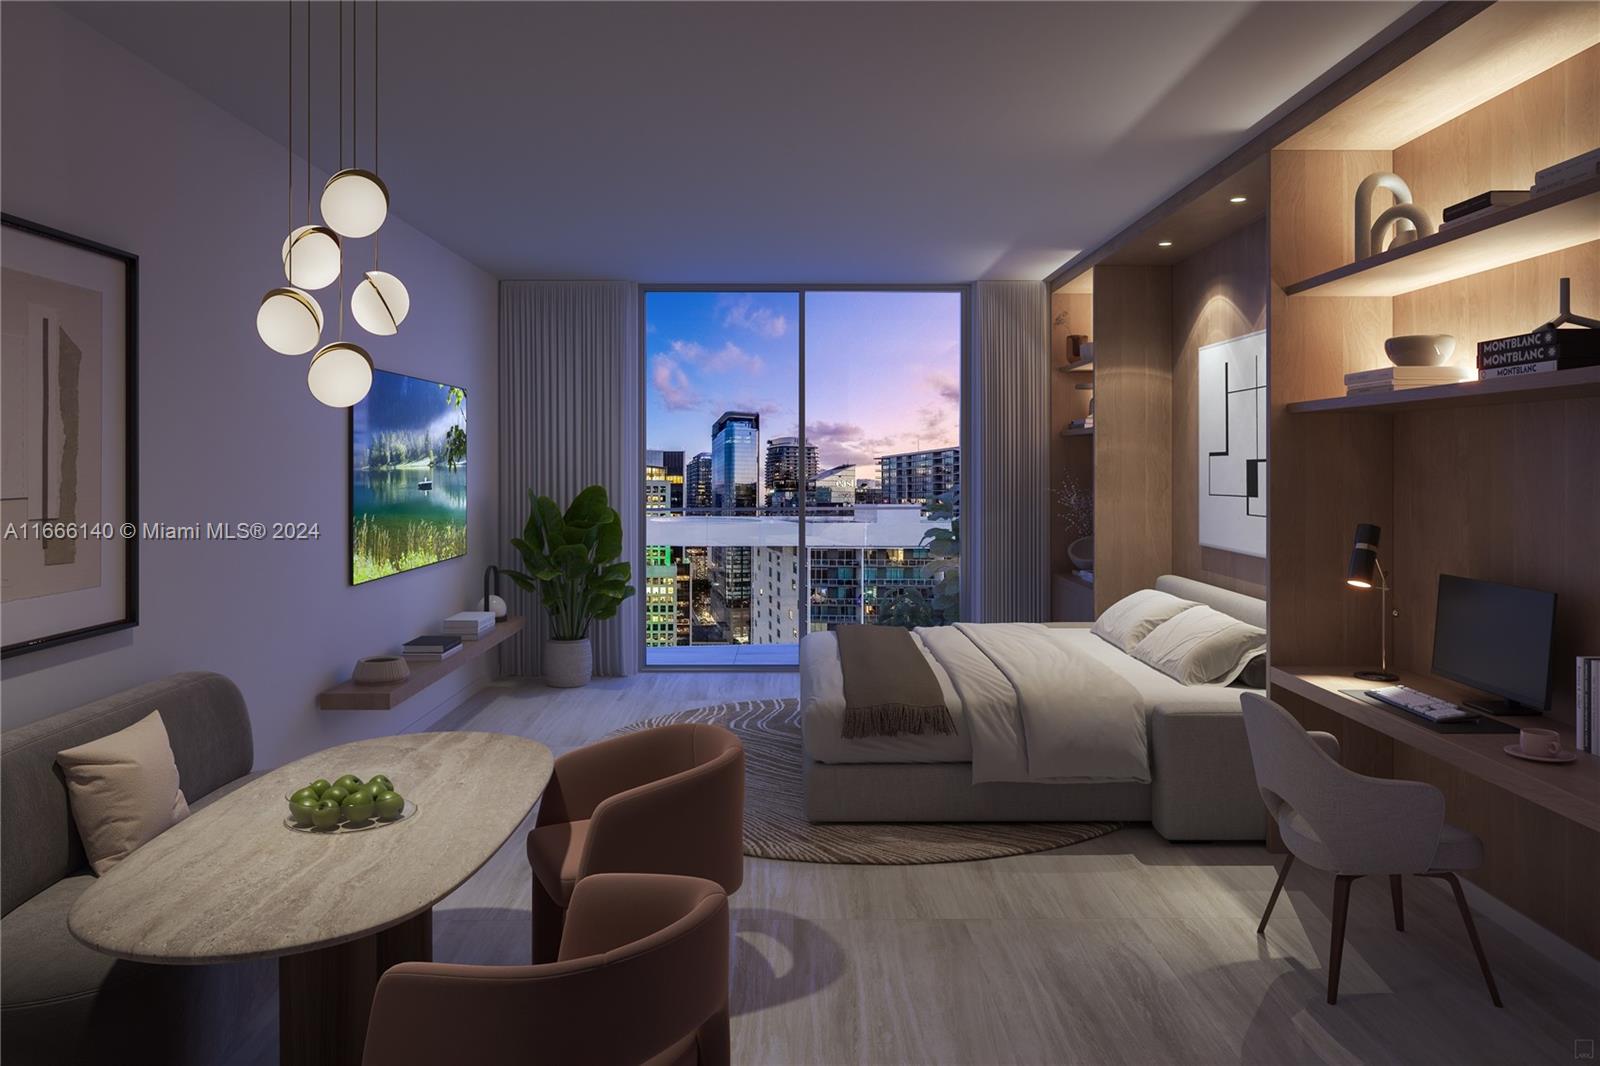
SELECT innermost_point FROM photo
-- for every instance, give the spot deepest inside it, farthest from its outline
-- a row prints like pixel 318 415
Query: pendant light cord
pixel 375 116
pixel 290 142
pixel 308 112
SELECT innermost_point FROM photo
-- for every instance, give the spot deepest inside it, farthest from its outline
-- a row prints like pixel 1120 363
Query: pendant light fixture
pixel 354 202
pixel 289 320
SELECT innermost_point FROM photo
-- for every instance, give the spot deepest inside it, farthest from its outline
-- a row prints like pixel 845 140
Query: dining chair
pixel 669 800
pixel 642 979
pixel 1352 825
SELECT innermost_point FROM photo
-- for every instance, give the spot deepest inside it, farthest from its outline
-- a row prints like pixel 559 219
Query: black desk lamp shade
pixel 1366 572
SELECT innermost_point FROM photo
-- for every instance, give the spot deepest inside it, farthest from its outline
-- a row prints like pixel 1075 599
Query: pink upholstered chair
pixel 665 800
pixel 642 979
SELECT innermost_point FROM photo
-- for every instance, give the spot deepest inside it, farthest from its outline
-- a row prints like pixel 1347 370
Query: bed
pixel 1174 755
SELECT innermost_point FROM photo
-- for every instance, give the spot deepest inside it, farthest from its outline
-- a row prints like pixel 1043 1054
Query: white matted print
pixel 1233 445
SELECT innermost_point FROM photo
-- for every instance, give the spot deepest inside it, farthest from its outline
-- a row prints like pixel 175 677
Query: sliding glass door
pixel 802 467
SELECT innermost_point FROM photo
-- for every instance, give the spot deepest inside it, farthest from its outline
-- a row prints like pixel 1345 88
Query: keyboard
pixel 1431 708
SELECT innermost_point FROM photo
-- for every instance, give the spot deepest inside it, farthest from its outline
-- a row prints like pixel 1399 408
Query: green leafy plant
pixel 944 550
pixel 571 560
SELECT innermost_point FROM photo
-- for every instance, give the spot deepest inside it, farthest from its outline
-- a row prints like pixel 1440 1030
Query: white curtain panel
pixel 569 418
pixel 1006 516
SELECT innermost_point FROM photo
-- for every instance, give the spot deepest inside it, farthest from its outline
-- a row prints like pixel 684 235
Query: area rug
pixel 775 825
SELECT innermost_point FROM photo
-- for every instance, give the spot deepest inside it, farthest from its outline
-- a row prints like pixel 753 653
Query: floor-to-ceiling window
pixel 760 528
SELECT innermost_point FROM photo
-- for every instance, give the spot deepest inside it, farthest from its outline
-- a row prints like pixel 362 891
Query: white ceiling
pixel 776 142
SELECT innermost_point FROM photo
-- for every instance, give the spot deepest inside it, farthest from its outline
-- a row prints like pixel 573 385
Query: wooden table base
pixel 325 996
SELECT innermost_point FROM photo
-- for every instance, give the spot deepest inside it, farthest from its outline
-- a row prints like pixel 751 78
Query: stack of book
pixel 433 648
pixel 1588 716
pixel 469 625
pixel 1481 204
pixel 1570 172
pixel 1538 352
pixel 1392 378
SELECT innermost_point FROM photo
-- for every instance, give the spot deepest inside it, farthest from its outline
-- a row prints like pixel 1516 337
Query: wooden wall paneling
pixel 1326 472
pixel 1070 312
pixel 1133 429
pixel 1502 143
pixel 1218 293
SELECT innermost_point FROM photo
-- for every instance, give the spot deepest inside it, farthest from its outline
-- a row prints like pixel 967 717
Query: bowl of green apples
pixel 346 804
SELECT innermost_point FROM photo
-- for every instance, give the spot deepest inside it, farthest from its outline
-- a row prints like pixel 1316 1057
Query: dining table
pixel 233 882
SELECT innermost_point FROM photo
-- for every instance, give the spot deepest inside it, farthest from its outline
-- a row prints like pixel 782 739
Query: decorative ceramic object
pixel 1081 552
pixel 381 670
pixel 497 605
pixel 568 663
pixel 1398 215
pixel 1364 193
pixel 1420 349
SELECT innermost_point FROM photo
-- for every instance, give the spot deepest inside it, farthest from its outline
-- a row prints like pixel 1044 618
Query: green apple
pixel 319 786
pixel 301 811
pixel 305 794
pixel 326 815
pixel 337 793
pixel 349 782
pixel 381 782
pixel 389 804
pixel 358 808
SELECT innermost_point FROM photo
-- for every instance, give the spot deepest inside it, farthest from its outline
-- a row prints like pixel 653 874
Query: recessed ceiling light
pixel 1236 199
pixel 1163 244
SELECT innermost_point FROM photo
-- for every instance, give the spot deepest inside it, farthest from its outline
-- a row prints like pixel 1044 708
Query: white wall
pixel 99 144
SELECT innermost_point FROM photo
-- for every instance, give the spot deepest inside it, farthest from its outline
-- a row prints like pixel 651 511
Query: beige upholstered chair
pixel 666 800
pixel 1352 825
pixel 642 978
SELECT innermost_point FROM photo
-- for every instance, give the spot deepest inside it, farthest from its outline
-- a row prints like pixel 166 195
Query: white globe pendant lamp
pixel 340 374
pixel 311 257
pixel 289 321
pixel 355 202
pixel 380 303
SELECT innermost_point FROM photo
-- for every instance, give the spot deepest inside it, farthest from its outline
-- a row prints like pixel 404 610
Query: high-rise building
pixel 730 591
pixel 917 477
pixel 869 490
pixel 660 597
pixel 663 481
pixel 697 482
pixel 887 573
pixel 835 487
pixel 735 461
pixel 776 611
pixel 835 587
pixel 785 471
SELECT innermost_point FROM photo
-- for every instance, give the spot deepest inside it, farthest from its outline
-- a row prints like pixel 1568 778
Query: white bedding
pixel 1072 739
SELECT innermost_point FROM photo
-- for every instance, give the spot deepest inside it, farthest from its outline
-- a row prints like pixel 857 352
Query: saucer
pixel 1566 756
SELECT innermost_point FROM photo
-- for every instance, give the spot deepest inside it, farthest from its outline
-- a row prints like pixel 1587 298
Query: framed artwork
pixel 1233 445
pixel 408 476
pixel 69 465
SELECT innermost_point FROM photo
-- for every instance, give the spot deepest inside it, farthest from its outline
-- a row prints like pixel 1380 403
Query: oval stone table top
pixel 232 882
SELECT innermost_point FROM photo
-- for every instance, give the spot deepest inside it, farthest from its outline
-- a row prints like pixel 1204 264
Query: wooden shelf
pixel 1078 431
pixel 1082 366
pixel 350 696
pixel 1543 224
pixel 1560 385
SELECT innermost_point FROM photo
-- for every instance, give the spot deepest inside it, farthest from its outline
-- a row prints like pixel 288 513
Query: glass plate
pixel 409 810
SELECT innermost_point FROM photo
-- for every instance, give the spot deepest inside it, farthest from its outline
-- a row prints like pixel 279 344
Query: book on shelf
pixel 1544 366
pixel 1393 378
pixel 1587 706
pixel 1585 165
pixel 434 644
pixel 1565 349
pixel 431 656
pixel 1484 201
pixel 469 625
pixel 1557 184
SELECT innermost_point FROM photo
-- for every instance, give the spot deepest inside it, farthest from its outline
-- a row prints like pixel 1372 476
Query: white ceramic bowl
pixel 1420 349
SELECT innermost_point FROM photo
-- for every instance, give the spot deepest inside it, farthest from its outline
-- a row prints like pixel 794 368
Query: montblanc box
pixel 1543 349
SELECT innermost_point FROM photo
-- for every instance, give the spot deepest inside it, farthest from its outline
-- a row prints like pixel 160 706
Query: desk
pixel 1540 823
pixel 230 882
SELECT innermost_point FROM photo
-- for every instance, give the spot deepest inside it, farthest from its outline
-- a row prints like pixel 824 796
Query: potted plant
pixel 571 560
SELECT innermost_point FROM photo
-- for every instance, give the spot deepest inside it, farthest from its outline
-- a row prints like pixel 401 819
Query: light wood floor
pixel 1125 949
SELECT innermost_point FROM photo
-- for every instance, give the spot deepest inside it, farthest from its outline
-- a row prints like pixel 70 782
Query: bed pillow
pixel 123 790
pixel 1128 621
pixel 1201 646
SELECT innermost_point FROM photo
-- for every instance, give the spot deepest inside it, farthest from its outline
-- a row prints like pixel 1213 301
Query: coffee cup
pixel 1541 743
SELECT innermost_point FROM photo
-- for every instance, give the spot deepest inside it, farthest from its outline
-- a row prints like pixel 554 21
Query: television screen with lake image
pixel 408 476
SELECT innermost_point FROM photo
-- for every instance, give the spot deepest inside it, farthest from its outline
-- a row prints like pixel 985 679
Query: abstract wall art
pixel 1233 445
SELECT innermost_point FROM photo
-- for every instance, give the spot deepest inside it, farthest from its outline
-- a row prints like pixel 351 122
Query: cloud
pixel 729 357
pixel 673 385
pixel 945 385
pixel 839 443
pixel 745 313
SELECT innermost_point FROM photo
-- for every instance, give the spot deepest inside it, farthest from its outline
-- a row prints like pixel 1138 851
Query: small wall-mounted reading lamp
pixel 1367 572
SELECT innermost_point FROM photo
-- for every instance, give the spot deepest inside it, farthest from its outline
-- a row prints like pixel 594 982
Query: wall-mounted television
pixel 408 476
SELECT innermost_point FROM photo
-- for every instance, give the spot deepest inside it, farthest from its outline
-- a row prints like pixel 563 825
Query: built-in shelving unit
pixel 1538 226
pixel 1078 431
pixel 353 697
pixel 1527 388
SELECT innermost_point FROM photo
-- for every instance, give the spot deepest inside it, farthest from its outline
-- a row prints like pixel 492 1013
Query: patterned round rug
pixel 775 825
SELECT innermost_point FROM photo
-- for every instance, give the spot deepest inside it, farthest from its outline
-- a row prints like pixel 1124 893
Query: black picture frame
pixel 130 444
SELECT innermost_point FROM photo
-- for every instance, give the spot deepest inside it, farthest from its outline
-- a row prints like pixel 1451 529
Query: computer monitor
pixel 1495 638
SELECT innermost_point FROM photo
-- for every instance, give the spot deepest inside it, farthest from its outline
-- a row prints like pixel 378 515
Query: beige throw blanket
pixel 889 688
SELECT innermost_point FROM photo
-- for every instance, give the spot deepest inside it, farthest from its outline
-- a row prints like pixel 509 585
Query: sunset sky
pixel 882 369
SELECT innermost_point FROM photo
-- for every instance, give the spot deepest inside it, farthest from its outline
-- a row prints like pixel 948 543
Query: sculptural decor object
pixel 1409 220
pixel 1420 349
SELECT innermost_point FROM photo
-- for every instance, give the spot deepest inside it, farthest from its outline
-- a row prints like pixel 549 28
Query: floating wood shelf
pixel 1527 388
pixel 350 696
pixel 1082 366
pixel 1537 226
pixel 1078 431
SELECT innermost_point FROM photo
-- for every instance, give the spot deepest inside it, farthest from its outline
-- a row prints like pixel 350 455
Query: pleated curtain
pixel 1007 523
pixel 570 417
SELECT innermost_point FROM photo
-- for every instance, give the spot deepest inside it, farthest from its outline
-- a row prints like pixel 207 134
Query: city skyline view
pixel 713 352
